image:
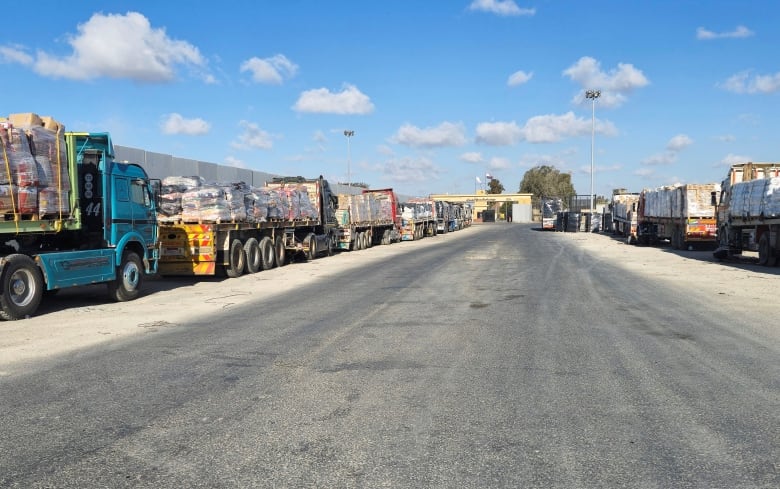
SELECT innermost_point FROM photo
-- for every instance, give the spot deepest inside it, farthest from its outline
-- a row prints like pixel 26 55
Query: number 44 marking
pixel 93 209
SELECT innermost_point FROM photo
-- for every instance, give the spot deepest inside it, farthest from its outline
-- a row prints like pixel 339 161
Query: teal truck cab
pixel 93 221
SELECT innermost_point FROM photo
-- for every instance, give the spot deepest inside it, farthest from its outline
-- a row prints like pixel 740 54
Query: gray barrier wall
pixel 159 165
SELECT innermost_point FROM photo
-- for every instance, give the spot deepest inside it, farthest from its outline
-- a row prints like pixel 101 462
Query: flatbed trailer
pixel 238 246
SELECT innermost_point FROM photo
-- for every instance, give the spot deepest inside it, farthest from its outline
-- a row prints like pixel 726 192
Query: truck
pixel 550 207
pixel 418 219
pixel 445 217
pixel 232 228
pixel 748 212
pixel 70 215
pixel 624 215
pixel 370 218
pixel 683 215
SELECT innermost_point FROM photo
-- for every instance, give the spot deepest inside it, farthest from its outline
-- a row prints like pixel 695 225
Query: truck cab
pixel 107 232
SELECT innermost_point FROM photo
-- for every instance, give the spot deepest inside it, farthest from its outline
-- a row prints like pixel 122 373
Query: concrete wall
pixel 159 165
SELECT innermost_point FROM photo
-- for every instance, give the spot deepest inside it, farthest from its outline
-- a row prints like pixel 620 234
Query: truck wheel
pixel 236 259
pixel 311 241
pixel 280 251
pixel 369 239
pixel 254 261
pixel 386 237
pixel 267 253
pixel 765 255
pixel 129 276
pixel 22 285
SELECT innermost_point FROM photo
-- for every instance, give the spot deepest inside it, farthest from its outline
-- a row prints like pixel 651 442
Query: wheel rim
pixel 22 287
pixel 130 276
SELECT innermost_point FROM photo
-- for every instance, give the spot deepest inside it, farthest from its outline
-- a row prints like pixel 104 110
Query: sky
pixel 437 94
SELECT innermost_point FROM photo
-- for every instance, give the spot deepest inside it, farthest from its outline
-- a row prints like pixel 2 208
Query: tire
pixel 129 277
pixel 331 245
pixel 254 260
pixel 765 255
pixel 280 252
pixel 267 253
pixel 22 284
pixel 312 244
pixel 236 259
pixel 386 237
pixel 369 239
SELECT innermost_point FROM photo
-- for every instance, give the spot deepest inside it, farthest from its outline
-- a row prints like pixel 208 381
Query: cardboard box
pixel 27 119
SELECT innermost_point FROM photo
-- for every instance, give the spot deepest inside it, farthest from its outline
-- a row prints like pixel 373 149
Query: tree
pixel 547 181
pixel 495 186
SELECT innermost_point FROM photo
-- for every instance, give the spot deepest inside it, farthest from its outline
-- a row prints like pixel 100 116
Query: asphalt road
pixel 500 357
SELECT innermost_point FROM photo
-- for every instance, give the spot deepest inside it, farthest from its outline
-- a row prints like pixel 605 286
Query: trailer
pixel 70 215
pixel 418 219
pixel 445 216
pixel 624 215
pixel 682 215
pixel 367 219
pixel 748 212
pixel 550 207
pixel 232 229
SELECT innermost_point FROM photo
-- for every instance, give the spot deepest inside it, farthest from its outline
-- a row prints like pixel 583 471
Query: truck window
pixel 139 194
pixel 120 190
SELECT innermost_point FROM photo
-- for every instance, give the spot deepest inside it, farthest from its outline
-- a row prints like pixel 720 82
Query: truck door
pixel 132 209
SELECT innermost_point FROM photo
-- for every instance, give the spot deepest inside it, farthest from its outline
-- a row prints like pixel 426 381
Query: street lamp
pixel 349 135
pixel 593 95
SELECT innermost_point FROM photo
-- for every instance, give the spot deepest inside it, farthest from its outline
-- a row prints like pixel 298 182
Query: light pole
pixel 349 135
pixel 593 95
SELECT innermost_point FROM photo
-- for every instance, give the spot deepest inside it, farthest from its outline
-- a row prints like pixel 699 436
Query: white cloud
pixel 176 124
pixel 234 162
pixel 540 129
pixel 409 169
pixel 120 46
pixel 518 78
pixel 472 157
pixel 726 138
pixel 319 137
pixel 272 70
pixel 500 7
pixel 384 149
pixel 615 85
pixel 740 32
pixel 679 142
pixel 445 134
pixel 732 159
pixel 743 83
pixel 644 172
pixel 499 163
pixel 15 54
pixel 321 100
pixel 666 158
pixel 499 133
pixel 253 137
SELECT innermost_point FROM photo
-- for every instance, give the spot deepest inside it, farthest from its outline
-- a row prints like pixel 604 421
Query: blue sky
pixel 438 93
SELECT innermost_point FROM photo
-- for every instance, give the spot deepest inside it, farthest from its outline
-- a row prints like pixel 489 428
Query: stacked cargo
pixel 192 199
pixel 34 178
pixel 756 198
pixel 362 208
pixel 682 214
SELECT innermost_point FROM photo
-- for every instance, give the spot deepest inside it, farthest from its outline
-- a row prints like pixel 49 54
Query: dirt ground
pixel 81 317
